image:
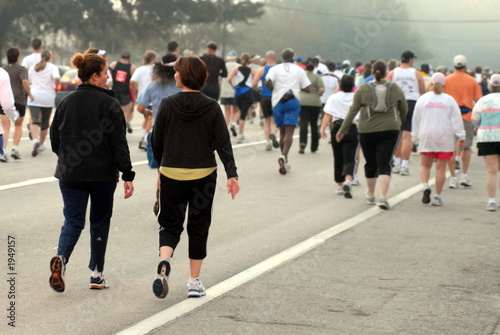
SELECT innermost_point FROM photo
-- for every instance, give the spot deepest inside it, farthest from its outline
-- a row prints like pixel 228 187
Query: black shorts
pixel 407 124
pixel 266 106
pixel 244 101
pixel 488 148
pixel 20 108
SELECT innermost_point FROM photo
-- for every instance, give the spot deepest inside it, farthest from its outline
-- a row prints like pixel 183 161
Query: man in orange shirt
pixel 466 91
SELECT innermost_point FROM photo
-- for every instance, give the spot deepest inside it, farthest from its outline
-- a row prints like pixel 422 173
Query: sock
pixel 96 274
pixel 492 200
pixel 36 140
pixel 405 163
pixel 457 158
pixel 437 196
pixel 397 161
pixel 426 186
pixel 194 280
pixel 165 259
pixel 14 147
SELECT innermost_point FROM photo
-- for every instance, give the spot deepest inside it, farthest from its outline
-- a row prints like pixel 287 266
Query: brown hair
pixel 379 68
pixel 193 72
pixel 244 59
pixel 45 57
pixel 438 88
pixel 13 54
pixel 87 65
pixel 148 57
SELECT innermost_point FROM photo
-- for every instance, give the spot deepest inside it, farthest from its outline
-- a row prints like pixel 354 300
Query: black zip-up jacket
pixel 88 136
pixel 188 129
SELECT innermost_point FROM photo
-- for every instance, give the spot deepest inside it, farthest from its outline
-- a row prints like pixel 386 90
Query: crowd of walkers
pixel 192 105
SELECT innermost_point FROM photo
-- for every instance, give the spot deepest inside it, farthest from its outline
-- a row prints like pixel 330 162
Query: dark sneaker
pixel 282 163
pixel 56 279
pixel 302 148
pixel 233 130
pixel 35 152
pixel 347 189
pixel 129 128
pixel 195 289
pixel 98 283
pixel 29 132
pixel 426 198
pixel 160 285
pixel 274 140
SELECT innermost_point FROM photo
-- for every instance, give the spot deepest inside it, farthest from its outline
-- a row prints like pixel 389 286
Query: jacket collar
pixel 90 86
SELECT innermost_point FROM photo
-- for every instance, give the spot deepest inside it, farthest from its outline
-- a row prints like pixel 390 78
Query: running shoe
pixel 465 181
pixel 396 169
pixel 437 201
pixel 302 148
pixel 404 171
pixel 15 154
pixel 42 148
pixel 233 130
pixel 160 285
pixel 288 167
pixel 457 164
pixel 272 136
pixel 29 132
pixel 240 139
pixel 36 146
pixel 426 198
pixel 383 204
pixel 492 207
pixel 355 182
pixel 369 199
pixel 269 146
pixel 340 190
pixel 453 183
pixel 347 189
pixel 56 279
pixel 282 162
pixel 98 283
pixel 129 128
pixel 143 143
pixel 3 158
pixel 195 289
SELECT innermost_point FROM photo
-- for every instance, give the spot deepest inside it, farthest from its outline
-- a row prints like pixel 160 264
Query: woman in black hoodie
pixel 189 127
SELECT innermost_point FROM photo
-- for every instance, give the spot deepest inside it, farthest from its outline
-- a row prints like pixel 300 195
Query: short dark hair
pixel 287 54
pixel 212 45
pixel 172 46
pixel 125 55
pixel 347 83
pixel 425 68
pixel 13 55
pixel 331 66
pixel 36 44
pixel 193 72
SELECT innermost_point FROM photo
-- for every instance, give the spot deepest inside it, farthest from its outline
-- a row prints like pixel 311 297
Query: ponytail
pixel 45 57
pixel 379 69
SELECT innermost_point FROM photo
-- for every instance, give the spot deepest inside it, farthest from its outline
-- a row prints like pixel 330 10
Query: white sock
pixel 492 200
pixel 14 147
pixel 437 196
pixel 397 161
pixel 405 163
pixel 457 158
pixel 194 280
pixel 426 186
pixel 96 274
pixel 36 140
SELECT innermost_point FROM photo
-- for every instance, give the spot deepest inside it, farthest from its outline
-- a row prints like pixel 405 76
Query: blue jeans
pixel 75 197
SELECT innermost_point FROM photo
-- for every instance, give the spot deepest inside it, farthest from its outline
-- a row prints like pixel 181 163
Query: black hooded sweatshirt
pixel 188 129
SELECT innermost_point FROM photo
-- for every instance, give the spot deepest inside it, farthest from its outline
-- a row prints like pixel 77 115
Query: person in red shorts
pixel 436 120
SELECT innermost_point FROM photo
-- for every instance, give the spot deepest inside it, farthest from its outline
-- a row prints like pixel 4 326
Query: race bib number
pixel 121 76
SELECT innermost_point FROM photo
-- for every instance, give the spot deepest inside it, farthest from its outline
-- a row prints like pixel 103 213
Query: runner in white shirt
pixel 43 77
pixel 7 104
pixel 35 57
pixel 140 80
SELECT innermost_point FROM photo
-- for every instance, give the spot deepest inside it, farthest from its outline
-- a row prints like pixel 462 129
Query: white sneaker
pixel 340 190
pixel 465 181
pixel 288 167
pixel 269 146
pixel 347 189
pixel 370 199
pixel 396 169
pixel 492 207
pixel 453 182
pixel 240 138
pixel 437 201
pixel 195 289
pixel 42 147
pixel 404 171
pixel 355 182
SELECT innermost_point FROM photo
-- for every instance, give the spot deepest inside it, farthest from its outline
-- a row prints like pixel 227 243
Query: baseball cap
pixel 495 80
pixel 407 55
pixel 299 58
pixel 346 62
pixel 438 77
pixel 460 61
pixel 232 54
pixel 255 57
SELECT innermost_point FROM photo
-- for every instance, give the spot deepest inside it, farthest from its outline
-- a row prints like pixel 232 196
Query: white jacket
pixel 7 98
pixel 436 119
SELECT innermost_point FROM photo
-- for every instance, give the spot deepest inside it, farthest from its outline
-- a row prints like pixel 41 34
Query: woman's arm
pixel 355 107
pixel 327 118
pixel 231 76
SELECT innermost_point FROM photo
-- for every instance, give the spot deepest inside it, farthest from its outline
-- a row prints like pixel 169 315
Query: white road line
pixel 160 319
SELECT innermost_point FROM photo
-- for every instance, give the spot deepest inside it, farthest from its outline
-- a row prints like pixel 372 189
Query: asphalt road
pixel 411 270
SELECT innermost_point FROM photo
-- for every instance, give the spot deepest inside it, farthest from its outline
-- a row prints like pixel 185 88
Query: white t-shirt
pixel 42 85
pixel 6 97
pixel 331 83
pixel 338 105
pixel 338 73
pixel 143 76
pixel 436 120
pixel 31 60
pixel 287 76
pixel 321 68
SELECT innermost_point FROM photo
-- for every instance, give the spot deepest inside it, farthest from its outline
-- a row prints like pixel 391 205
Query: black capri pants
pixel 244 102
pixel 378 148
pixel 344 152
pixel 195 196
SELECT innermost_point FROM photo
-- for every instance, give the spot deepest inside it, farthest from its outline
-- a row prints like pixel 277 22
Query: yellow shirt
pixel 183 174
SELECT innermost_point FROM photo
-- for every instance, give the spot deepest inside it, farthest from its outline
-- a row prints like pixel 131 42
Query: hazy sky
pixel 479 42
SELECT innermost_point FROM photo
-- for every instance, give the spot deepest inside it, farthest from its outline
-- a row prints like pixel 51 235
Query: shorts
pixel 266 105
pixel 469 135
pixel 228 101
pixel 287 113
pixel 438 155
pixel 128 108
pixel 488 148
pixel 123 99
pixel 41 116
pixel 244 101
pixel 406 125
pixel 20 108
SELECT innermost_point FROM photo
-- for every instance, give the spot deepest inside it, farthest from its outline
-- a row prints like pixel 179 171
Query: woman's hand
pixel 233 187
pixel 129 189
pixel 323 133
pixel 339 137
pixel 461 143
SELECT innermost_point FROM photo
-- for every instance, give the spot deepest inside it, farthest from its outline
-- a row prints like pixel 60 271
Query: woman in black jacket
pixel 88 136
pixel 189 127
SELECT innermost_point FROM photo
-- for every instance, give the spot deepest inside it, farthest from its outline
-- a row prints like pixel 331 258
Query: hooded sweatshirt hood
pixel 190 105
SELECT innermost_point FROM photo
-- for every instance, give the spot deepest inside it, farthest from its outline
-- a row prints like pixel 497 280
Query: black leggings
pixel 197 197
pixel 344 152
pixel 378 149
pixel 309 115
pixel 244 102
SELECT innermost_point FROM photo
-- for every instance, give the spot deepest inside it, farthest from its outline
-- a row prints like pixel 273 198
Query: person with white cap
pixel 486 117
pixel 231 110
pixel 465 89
pixel 436 120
